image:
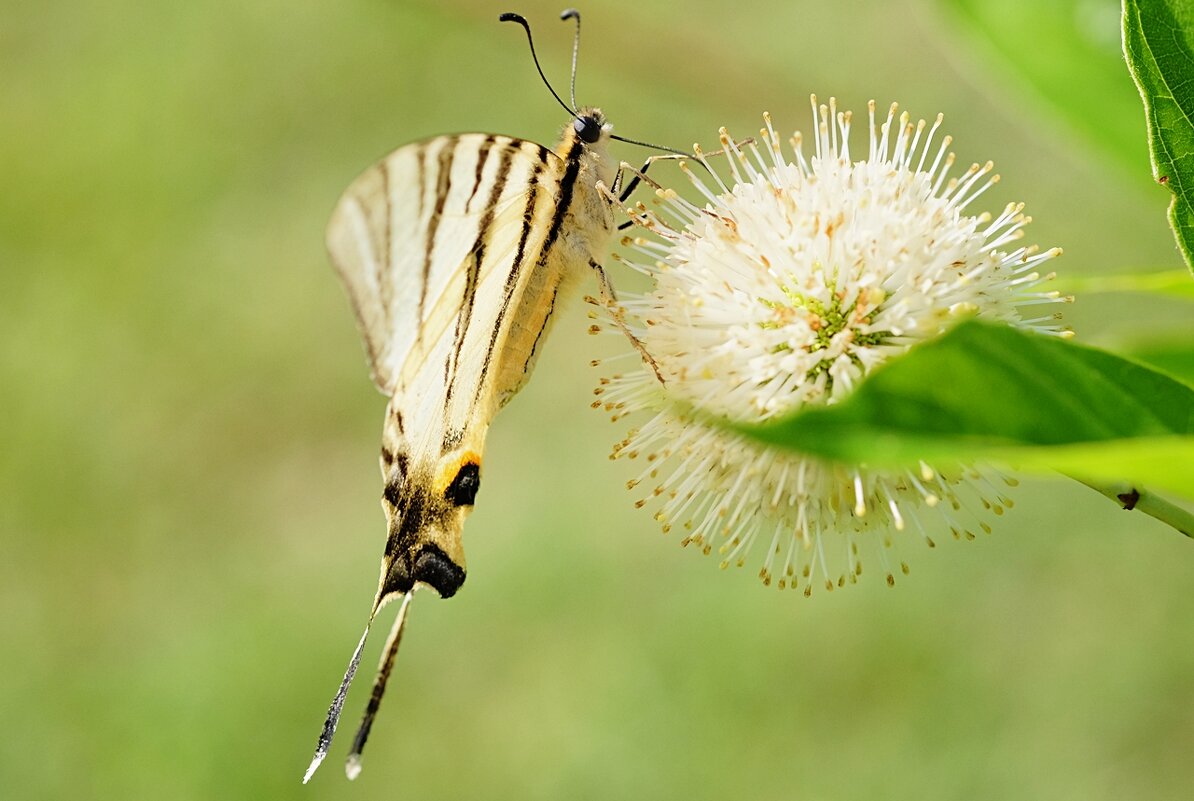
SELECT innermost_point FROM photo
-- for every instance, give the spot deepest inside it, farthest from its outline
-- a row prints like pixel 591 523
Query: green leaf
pixel 1159 45
pixel 1065 53
pixel 986 392
pixel 1174 358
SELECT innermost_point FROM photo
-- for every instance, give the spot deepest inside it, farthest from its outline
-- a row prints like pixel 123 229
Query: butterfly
pixel 455 252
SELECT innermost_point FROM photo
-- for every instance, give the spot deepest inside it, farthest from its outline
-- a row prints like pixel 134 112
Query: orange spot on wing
pixel 448 470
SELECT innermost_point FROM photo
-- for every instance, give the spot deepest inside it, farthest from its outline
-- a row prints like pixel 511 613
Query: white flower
pixel 795 279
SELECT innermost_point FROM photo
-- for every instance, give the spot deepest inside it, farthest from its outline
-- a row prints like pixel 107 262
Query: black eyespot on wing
pixel 588 129
pixel 434 568
pixel 463 489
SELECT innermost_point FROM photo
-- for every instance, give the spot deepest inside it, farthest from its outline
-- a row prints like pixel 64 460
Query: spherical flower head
pixel 795 279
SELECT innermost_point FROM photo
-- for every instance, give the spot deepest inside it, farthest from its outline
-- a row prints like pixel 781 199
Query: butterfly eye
pixel 463 489
pixel 588 129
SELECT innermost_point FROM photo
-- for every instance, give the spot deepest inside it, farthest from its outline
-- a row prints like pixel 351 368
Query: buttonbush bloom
pixel 795 277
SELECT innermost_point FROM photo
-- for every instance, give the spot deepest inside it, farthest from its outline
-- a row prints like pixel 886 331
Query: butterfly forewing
pixel 423 234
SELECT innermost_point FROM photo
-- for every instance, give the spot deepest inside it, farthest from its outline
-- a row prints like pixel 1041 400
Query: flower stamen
pixel 795 279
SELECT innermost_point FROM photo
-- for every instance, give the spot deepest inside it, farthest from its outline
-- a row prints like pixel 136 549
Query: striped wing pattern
pixel 430 243
pixel 454 252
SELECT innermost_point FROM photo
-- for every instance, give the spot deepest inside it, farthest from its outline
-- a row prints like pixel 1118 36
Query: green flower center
pixel 828 319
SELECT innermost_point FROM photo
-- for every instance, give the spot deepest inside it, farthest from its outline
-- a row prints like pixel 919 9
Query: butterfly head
pixel 591 127
pixel 586 139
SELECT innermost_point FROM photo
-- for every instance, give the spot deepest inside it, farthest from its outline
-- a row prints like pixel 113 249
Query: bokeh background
pixel 188 436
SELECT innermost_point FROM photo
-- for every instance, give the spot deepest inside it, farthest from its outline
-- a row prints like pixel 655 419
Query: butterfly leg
pixel 639 175
pixel 609 300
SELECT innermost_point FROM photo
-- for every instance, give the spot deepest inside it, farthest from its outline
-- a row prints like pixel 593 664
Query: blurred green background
pixel 188 436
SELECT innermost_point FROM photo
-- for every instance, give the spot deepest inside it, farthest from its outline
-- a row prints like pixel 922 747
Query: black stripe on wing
pixel 477 255
pixel 443 184
pixel 563 200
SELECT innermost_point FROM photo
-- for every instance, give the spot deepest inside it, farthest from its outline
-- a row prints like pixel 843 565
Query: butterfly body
pixel 455 252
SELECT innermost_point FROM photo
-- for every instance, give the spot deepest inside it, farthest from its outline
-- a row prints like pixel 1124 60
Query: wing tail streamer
pixel 337 706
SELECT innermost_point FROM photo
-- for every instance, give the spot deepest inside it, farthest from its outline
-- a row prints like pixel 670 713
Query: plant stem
pixel 1136 498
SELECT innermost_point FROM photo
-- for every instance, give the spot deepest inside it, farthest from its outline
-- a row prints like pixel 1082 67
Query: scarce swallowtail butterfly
pixel 454 252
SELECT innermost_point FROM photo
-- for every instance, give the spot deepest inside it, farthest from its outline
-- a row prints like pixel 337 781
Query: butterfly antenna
pixel 572 13
pixel 664 148
pixel 510 16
